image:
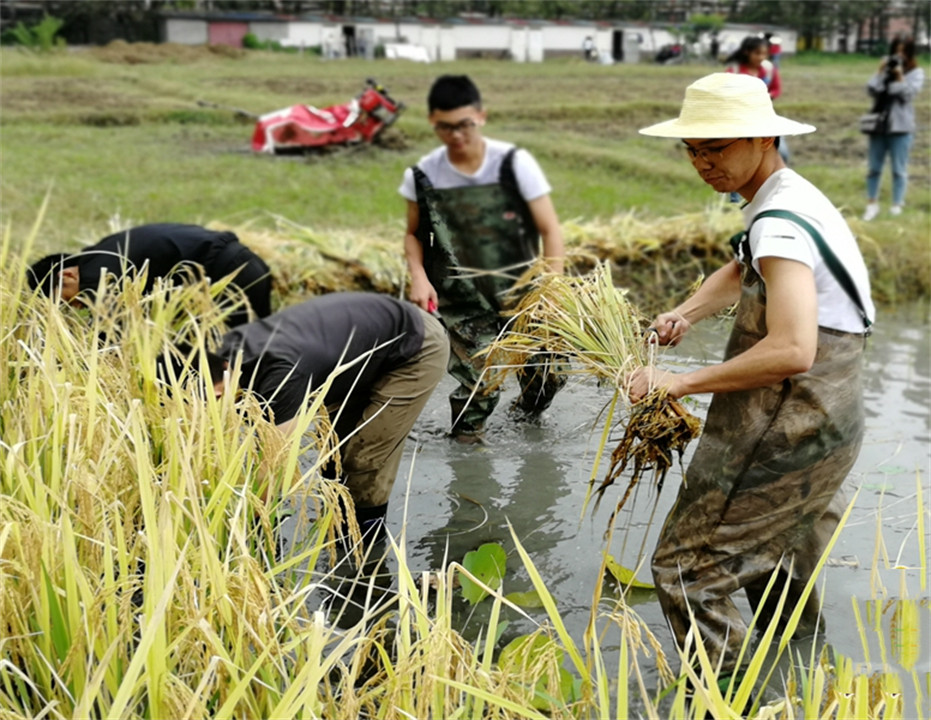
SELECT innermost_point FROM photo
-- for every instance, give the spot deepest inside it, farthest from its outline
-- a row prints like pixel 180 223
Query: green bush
pixel 251 42
pixel 41 37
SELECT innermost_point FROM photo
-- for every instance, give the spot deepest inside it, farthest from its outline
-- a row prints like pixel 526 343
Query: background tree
pixel 701 23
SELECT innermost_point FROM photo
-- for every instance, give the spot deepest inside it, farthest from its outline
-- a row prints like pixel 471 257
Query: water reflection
pixel 465 511
pixel 536 477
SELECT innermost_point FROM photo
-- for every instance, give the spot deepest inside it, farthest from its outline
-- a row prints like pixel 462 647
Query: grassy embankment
pixel 113 136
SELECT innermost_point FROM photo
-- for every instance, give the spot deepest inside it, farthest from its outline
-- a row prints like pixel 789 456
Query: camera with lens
pixel 892 64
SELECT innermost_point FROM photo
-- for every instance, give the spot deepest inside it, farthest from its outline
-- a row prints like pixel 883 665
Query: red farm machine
pixel 300 128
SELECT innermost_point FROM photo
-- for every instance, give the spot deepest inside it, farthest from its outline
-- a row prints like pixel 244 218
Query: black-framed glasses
pixel 709 153
pixel 463 126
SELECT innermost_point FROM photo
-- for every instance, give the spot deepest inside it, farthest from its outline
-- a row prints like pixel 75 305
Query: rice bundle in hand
pixel 585 319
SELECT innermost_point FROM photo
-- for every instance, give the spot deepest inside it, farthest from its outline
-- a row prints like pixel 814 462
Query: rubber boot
pixel 468 415
pixel 371 522
pixel 539 386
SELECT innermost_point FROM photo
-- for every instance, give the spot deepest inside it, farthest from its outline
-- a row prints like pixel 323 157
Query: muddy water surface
pixel 533 477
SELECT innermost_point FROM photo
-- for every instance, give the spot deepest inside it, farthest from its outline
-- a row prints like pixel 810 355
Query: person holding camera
pixel 893 88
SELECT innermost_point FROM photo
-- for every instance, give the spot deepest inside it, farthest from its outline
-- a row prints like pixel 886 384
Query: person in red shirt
pixel 752 58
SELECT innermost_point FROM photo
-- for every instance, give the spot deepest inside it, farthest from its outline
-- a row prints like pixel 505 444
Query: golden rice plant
pixel 429 671
pixel 628 237
pixel 138 575
pixel 305 261
pixel 658 257
pixel 588 321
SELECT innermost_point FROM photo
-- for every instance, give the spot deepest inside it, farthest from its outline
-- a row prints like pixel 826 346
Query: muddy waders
pixel 477 240
pixel 763 490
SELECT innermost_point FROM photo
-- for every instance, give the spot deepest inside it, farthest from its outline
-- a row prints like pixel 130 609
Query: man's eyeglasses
pixel 463 126
pixel 710 153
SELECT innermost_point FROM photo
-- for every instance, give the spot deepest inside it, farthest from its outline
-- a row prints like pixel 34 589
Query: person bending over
pixel 399 354
pixel 163 250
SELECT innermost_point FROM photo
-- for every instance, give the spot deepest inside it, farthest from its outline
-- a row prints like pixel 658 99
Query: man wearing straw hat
pixel 762 492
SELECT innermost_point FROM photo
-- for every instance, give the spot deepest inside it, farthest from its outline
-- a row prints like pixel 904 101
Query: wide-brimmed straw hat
pixel 727 105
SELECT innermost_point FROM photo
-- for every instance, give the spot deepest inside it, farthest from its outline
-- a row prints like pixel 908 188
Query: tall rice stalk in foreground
pixel 587 320
pixel 138 575
pixel 137 569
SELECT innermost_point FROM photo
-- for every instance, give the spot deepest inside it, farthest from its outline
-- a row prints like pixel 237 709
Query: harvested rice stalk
pixel 628 238
pixel 646 253
pixel 657 427
pixel 588 321
pixel 305 262
pixel 584 317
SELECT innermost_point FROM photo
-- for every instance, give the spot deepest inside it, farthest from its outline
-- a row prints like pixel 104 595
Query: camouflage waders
pixel 763 489
pixel 477 240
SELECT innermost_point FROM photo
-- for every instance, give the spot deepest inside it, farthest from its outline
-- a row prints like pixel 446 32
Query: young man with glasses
pixel 477 210
pixel 762 493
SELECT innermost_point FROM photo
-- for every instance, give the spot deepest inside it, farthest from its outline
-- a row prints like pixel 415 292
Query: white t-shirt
pixel 776 237
pixel 440 171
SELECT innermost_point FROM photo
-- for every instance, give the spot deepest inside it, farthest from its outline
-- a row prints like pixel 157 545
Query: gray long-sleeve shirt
pixel 902 96
pixel 301 345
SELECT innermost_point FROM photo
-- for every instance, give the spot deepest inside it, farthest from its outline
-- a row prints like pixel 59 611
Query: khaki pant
pixel 372 455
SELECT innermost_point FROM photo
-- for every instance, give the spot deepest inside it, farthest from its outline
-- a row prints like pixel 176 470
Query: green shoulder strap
pixel 830 259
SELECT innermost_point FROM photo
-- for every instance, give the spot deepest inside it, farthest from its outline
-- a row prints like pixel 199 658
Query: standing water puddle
pixel 533 477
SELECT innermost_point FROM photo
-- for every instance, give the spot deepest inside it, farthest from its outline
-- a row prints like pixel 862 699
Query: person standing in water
pixel 762 493
pixel 477 209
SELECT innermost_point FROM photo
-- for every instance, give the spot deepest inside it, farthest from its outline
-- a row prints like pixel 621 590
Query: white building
pixel 445 40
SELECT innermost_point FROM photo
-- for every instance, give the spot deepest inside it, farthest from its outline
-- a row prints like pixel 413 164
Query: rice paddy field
pixel 117 136
pixel 139 573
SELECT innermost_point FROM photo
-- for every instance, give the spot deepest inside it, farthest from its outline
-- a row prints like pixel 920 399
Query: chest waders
pixel 762 491
pixel 477 240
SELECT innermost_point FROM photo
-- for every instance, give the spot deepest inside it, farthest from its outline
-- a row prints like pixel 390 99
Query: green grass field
pixel 117 132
